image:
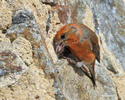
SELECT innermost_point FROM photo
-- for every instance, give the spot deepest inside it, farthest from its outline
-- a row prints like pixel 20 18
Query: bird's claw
pixel 70 60
pixel 79 64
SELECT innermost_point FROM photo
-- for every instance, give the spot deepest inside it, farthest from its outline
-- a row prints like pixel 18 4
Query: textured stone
pixel 11 65
pixel 25 35
pixel 77 86
pixel 28 29
pixel 120 86
pixel 5 16
pixel 24 49
pixel 4 42
pixel 107 20
pixel 30 85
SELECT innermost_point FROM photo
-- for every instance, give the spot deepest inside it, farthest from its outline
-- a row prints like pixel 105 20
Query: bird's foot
pixel 79 64
pixel 71 60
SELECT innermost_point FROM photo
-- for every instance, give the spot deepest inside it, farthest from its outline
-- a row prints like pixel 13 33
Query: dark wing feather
pixel 95 47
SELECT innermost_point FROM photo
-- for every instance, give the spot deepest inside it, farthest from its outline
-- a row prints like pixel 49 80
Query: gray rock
pixel 22 17
pixel 24 25
pixel 107 22
pixel 77 86
pixel 11 65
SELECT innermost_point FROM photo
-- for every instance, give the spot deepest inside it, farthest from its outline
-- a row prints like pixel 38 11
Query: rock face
pixel 77 86
pixel 29 67
pixel 11 65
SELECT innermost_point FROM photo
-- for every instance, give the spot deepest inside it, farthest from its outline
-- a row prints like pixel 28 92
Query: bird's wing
pixel 95 47
pixel 91 36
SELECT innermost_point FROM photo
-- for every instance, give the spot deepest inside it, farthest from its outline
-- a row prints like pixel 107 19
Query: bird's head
pixel 66 36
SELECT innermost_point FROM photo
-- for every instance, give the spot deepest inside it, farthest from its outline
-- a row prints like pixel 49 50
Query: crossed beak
pixel 59 47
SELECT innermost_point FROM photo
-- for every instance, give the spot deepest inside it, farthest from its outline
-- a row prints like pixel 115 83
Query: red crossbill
pixel 82 43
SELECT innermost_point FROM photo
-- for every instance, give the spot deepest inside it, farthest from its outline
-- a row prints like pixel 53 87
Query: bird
pixel 80 46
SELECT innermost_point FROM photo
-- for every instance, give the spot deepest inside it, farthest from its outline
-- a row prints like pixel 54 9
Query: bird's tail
pixel 92 72
pixel 93 78
pixel 91 75
pixel 89 71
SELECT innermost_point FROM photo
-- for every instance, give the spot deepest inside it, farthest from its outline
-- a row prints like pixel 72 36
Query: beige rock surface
pixel 31 86
pixel 120 83
pixel 4 42
pixel 5 16
pixel 24 50
pixel 25 42
pixel 11 65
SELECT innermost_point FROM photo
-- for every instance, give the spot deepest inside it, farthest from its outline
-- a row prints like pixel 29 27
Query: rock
pixel 28 29
pixel 120 86
pixel 5 17
pixel 107 17
pixel 30 85
pixel 4 42
pixel 25 34
pixel 11 65
pixel 77 86
pixel 24 49
pixel 22 17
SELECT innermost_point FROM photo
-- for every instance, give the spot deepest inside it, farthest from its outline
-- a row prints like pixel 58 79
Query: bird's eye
pixel 63 36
